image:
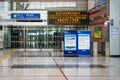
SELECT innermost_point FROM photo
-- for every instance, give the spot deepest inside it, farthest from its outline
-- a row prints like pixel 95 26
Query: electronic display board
pixel 67 17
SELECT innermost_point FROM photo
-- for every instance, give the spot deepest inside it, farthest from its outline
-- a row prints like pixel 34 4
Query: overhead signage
pixel 67 17
pixel 25 15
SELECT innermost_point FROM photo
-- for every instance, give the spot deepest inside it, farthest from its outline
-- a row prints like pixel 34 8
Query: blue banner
pixel 25 16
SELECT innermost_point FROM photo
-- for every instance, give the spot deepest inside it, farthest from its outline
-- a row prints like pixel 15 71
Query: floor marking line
pixel 7 55
pixel 58 67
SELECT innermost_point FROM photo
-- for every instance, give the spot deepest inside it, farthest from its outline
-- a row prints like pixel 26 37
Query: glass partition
pixel 36 37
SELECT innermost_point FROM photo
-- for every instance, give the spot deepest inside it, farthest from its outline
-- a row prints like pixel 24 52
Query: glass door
pixel 33 37
pixel 17 36
pixel 55 37
pixel 36 37
pixel 25 37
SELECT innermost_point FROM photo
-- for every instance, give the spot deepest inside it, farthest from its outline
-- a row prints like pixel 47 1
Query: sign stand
pixel 77 43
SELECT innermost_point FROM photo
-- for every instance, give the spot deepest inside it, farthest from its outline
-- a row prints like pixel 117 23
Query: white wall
pixel 115 29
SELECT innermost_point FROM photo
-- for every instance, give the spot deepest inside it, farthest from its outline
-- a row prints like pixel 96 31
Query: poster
pixel 84 41
pixel 98 32
pixel 70 42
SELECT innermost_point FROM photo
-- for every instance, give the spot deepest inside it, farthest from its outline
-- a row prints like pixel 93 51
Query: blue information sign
pixel 25 16
pixel 84 42
pixel 70 39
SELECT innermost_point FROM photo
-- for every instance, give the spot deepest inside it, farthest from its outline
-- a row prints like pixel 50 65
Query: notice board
pixel 84 42
pixel 70 39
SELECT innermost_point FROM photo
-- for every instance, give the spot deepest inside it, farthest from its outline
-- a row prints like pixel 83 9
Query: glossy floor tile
pixel 93 78
pixel 42 65
pixel 33 78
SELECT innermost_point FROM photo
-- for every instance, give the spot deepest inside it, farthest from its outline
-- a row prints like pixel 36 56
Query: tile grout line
pixel 58 67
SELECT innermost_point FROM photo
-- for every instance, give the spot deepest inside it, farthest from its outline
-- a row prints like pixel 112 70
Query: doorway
pixel 25 37
pixel 36 37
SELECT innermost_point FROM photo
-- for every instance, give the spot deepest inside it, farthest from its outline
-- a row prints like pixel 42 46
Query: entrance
pixel 31 37
pixel 36 37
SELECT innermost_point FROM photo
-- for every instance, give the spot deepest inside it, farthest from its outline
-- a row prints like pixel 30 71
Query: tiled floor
pixel 43 65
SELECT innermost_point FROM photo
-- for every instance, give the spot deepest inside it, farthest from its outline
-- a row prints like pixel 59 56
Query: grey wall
pixel 115 29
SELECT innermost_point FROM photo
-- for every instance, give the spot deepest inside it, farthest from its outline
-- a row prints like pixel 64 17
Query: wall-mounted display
pixel 67 17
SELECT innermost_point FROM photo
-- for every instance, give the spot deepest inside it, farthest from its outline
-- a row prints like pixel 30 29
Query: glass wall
pixel 4 6
pixel 7 37
pixel 36 37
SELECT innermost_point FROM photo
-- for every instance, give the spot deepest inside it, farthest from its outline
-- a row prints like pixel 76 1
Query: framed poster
pixel 70 42
pixel 84 42
pixel 98 32
pixel 70 45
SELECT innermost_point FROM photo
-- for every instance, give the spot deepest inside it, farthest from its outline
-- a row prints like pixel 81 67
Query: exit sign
pixel 25 16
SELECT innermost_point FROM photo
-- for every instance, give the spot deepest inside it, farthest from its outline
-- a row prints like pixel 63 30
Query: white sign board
pixel 70 42
pixel 84 41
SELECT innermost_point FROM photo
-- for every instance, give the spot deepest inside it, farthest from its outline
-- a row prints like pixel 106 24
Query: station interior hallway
pixel 51 65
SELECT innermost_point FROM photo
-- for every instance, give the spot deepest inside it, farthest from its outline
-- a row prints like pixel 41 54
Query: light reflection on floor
pixel 51 66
